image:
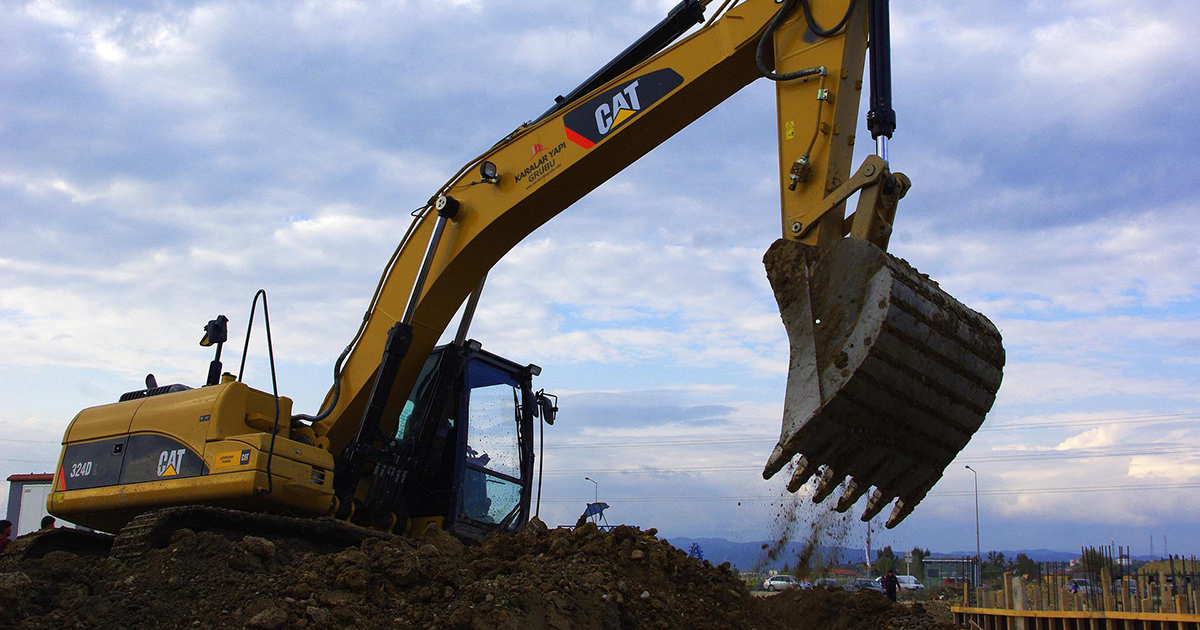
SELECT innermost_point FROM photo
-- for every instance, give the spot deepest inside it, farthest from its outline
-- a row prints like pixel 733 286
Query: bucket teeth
pixel 804 472
pixel 899 513
pixel 829 482
pixel 889 376
pixel 875 505
pixel 778 459
pixel 854 491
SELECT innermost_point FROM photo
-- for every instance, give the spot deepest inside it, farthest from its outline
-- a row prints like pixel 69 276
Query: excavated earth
pixel 556 579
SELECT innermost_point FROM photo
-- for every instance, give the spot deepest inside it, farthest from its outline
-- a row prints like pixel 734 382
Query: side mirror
pixel 547 405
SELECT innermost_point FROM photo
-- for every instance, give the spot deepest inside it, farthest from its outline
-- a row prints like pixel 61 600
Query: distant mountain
pixel 1037 555
pixel 747 555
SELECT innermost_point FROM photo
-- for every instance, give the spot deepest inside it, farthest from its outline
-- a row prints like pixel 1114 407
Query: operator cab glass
pixel 496 447
pixel 492 487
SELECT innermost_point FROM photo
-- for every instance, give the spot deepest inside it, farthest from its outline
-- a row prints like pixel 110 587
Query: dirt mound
pixel 538 579
pixel 837 610
pixel 556 579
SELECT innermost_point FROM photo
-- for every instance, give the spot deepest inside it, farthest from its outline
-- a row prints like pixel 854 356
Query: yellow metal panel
pixel 109 508
pixel 183 416
pixel 102 421
pixel 284 447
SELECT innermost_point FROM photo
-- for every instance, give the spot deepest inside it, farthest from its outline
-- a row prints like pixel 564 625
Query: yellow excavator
pixel 889 375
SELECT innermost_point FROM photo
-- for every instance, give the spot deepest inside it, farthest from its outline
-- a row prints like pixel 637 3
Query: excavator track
pixel 153 530
pixel 74 541
pixel 890 376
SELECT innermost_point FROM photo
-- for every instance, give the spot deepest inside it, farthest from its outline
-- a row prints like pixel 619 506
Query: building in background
pixel 27 501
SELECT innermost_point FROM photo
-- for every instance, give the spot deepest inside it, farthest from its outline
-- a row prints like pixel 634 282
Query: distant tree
pixel 994 565
pixel 1027 567
pixel 885 560
pixel 918 562
pixel 1092 560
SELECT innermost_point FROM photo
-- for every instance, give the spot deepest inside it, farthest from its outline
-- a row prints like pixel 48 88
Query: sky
pixel 161 161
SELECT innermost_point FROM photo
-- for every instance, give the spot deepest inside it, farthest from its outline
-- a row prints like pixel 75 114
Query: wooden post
pixel 1124 593
pixel 1106 599
pixel 1018 601
pixel 966 595
pixel 1163 606
pixel 1137 597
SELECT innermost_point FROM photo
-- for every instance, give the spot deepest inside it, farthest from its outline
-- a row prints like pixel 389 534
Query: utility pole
pixel 868 550
pixel 978 549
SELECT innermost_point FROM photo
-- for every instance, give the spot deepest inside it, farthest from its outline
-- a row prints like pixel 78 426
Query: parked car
pixel 863 584
pixel 780 583
pixel 907 583
pixel 1083 586
pixel 828 583
pixel 910 583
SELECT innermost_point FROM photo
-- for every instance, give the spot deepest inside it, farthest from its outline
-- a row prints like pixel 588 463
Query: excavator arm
pixel 544 167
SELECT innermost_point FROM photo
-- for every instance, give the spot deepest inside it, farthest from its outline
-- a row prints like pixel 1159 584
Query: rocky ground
pixel 555 579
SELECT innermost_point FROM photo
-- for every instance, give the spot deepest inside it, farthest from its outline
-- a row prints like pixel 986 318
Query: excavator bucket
pixel 889 376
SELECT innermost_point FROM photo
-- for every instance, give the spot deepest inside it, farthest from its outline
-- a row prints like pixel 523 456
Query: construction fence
pixel 1100 590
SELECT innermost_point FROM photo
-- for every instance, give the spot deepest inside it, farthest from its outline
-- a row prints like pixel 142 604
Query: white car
pixel 780 583
pixel 910 583
pixel 907 583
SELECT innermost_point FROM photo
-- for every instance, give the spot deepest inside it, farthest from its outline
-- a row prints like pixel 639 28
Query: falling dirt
pixel 821 532
pixel 539 579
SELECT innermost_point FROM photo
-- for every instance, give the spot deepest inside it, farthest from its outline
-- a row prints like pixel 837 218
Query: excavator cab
pixel 476 412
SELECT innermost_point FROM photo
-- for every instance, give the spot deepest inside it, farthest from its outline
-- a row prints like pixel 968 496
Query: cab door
pixel 495 454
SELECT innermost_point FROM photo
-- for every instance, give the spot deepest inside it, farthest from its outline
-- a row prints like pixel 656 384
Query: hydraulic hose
pixel 774 24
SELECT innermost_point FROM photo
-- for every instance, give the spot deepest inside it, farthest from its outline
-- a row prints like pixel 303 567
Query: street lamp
pixel 978 552
pixel 596 499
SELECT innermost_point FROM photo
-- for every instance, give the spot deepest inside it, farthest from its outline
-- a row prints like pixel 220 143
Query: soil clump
pixel 827 609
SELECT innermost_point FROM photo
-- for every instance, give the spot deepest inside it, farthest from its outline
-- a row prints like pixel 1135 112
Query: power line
pixel 1055 424
pixel 953 493
pixel 651 441
pixel 1040 456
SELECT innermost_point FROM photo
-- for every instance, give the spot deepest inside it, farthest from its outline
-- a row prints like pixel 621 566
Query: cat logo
pixel 169 462
pixel 594 120
pixel 622 109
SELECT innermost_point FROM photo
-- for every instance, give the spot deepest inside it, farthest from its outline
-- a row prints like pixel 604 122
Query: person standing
pixel 47 523
pixel 891 585
pixel 5 534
